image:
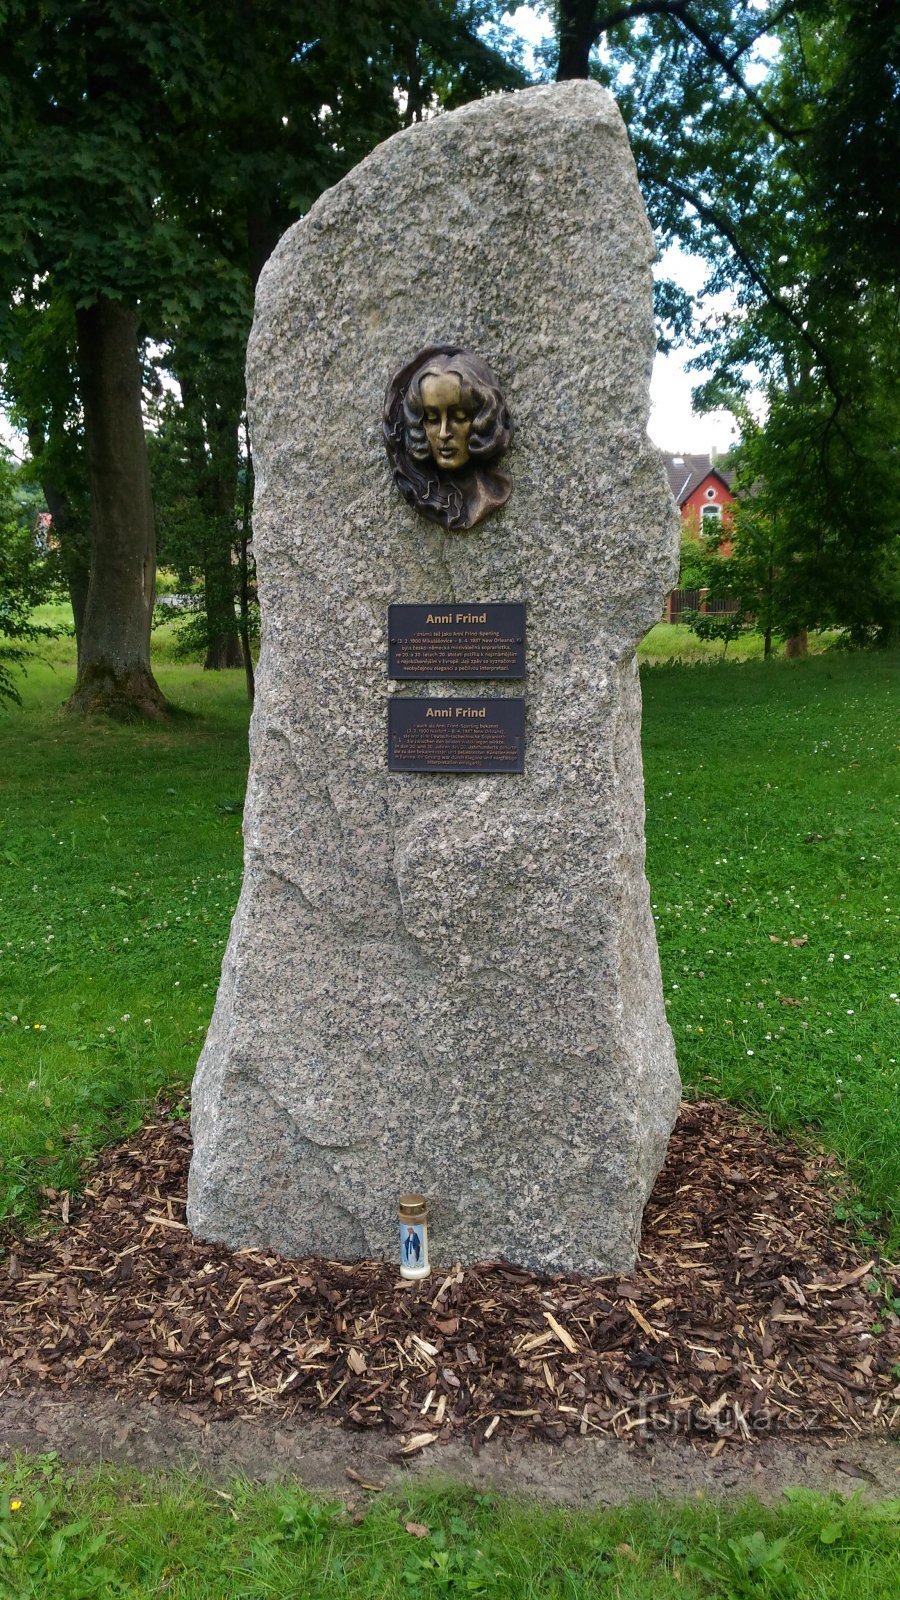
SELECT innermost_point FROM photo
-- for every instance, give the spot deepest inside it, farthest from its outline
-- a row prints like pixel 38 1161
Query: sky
pixel 672 424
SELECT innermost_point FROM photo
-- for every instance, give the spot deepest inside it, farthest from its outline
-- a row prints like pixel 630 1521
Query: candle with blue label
pixel 413 1215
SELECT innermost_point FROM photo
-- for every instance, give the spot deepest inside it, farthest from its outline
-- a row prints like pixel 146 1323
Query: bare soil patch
pixel 752 1316
pixel 92 1425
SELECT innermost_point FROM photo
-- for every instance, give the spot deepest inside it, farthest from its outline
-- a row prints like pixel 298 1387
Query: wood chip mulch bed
pixel 750 1312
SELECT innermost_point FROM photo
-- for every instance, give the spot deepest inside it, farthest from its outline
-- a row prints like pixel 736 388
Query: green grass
pixel 102 1535
pixel 59 651
pixel 120 851
pixel 771 814
pixel 671 641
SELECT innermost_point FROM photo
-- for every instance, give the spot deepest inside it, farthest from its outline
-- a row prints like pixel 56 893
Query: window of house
pixel 710 520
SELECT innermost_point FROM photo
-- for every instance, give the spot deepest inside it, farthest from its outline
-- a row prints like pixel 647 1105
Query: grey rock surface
pixel 437 983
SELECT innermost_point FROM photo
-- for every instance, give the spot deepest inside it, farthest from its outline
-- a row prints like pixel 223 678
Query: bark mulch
pixel 750 1312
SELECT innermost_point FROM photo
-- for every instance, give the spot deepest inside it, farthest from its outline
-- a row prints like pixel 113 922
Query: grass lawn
pixel 772 824
pixel 772 850
pixel 672 641
pixel 121 864
pixel 68 1536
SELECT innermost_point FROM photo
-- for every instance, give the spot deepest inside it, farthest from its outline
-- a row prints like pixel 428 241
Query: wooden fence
pixel 696 600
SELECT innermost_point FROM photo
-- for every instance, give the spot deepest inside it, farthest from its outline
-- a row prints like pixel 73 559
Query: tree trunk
pixel 74 556
pixel 114 673
pixel 797 644
pixel 212 448
pixel 577 32
pixel 767 644
pixel 223 649
pixel 74 546
pixel 263 234
pixel 244 593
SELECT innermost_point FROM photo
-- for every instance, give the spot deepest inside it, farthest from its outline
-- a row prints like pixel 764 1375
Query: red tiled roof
pixel 686 473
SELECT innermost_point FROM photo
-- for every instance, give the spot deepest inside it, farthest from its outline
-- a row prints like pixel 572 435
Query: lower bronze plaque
pixel 457 641
pixel 456 735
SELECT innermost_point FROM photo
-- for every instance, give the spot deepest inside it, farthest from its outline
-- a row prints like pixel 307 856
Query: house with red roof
pixel 702 493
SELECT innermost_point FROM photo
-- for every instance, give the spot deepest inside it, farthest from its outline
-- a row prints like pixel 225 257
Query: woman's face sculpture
pixel 446 420
pixel 445 424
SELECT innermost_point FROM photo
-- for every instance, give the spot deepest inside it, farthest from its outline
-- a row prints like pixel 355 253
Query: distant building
pixel 702 492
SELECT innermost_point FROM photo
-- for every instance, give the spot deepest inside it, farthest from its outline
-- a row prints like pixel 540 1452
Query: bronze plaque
pixel 446 424
pixel 456 735
pixel 457 641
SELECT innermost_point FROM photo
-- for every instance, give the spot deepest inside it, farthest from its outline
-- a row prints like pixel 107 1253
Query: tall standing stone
pixel 450 984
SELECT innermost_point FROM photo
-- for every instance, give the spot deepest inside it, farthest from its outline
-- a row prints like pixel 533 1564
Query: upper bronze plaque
pixel 445 424
pixel 457 641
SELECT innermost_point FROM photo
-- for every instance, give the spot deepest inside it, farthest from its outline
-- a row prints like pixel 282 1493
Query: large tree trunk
pixel 797 644
pixel 114 661
pixel 577 32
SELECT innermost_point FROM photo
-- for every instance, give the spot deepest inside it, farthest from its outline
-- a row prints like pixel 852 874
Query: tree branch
pixel 770 22
pixel 676 11
pixel 723 226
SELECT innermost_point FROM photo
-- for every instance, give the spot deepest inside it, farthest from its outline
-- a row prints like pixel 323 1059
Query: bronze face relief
pixel 445 425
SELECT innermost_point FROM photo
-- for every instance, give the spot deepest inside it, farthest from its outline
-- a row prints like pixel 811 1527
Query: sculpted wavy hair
pixel 459 498
pixel 478 394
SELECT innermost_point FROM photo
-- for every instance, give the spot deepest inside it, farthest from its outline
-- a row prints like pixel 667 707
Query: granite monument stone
pixel 447 983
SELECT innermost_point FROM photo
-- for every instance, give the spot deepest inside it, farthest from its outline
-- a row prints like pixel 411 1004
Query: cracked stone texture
pixel 450 984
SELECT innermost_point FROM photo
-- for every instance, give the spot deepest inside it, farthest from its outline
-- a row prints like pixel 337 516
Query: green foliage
pixel 702 567
pixel 746 1568
pixel 691 565
pixel 153 156
pixel 765 136
pixel 815 531
pixel 120 864
pixel 696 564
pixel 723 627
pixel 114 1535
pixel 202 499
pixel 26 577
pixel 669 644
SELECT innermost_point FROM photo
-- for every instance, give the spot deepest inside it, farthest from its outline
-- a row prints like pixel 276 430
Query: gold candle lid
pixel 413 1205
